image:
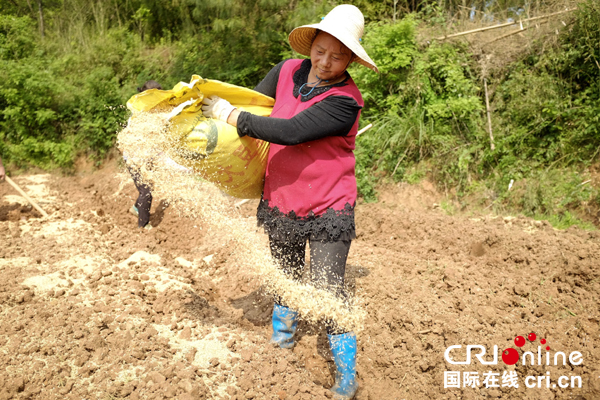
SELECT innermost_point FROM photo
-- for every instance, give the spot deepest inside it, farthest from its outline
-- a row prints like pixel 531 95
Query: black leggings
pixel 327 265
pixel 144 200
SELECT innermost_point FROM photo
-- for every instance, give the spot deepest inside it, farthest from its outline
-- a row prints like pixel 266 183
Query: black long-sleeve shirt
pixel 333 116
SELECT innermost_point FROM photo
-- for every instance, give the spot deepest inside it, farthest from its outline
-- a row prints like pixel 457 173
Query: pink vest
pixel 316 175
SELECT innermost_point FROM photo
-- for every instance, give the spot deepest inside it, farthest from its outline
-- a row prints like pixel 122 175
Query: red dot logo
pixel 548 348
pixel 519 341
pixel 543 341
pixel 531 337
pixel 510 356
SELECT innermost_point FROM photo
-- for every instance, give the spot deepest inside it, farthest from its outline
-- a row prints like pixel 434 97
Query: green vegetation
pixel 62 88
pixel 428 107
pixel 65 74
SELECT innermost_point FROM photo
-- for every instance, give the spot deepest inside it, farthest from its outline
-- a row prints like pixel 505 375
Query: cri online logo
pixel 510 356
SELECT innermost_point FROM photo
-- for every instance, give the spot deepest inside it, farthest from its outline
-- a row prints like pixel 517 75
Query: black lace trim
pixel 333 225
pixel 301 77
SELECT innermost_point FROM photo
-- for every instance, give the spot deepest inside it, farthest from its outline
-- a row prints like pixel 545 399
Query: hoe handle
pixel 29 199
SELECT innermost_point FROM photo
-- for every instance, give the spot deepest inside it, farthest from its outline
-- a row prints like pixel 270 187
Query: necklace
pixel 319 80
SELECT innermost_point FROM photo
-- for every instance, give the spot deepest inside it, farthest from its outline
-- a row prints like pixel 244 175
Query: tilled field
pixel 91 307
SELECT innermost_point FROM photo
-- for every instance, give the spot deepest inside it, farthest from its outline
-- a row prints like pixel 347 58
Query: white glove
pixel 217 108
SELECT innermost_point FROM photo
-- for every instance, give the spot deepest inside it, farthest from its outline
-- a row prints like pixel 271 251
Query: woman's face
pixel 329 57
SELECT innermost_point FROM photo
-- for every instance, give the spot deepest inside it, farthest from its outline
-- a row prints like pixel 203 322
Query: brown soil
pixel 91 307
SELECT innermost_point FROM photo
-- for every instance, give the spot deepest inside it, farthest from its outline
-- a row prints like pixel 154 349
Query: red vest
pixel 316 175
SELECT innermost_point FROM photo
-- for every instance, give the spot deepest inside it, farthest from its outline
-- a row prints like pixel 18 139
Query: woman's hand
pixel 217 108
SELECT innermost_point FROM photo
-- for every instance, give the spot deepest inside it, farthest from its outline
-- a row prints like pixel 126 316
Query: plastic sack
pixel 212 148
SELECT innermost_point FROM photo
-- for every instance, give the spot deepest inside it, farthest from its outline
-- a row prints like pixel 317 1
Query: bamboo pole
pixel 487 28
pixel 366 128
pixel 489 117
pixel 513 33
pixel 29 199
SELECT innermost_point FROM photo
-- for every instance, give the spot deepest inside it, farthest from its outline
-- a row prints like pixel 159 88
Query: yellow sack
pixel 210 147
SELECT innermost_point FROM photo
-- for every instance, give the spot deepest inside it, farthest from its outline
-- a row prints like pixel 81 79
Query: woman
pixel 310 184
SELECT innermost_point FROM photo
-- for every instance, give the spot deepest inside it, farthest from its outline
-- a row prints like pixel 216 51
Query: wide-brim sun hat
pixel 346 23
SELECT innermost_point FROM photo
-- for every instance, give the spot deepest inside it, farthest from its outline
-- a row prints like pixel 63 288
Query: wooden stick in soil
pixel 29 199
pixel 489 118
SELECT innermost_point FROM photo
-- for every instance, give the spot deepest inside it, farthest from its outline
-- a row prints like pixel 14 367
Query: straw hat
pixel 346 23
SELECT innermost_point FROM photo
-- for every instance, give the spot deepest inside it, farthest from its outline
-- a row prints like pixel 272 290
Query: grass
pixel 566 220
pixel 448 207
pixel 556 196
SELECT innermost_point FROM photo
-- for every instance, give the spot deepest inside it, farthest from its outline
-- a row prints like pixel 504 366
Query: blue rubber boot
pixel 343 349
pixel 134 210
pixel 285 322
